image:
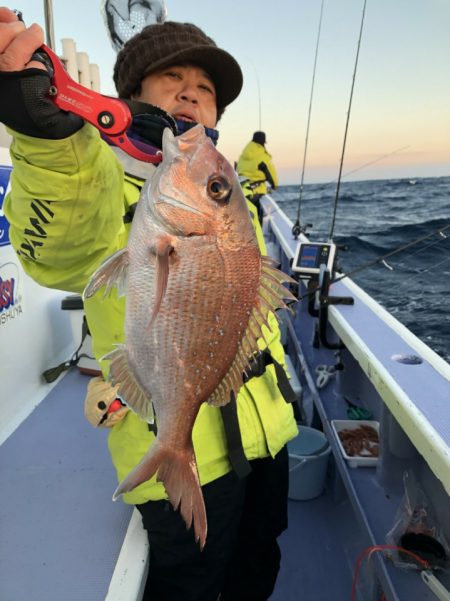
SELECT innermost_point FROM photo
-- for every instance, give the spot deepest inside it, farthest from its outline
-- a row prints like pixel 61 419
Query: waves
pixel 375 218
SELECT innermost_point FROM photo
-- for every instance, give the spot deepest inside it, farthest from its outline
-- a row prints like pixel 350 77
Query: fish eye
pixel 219 189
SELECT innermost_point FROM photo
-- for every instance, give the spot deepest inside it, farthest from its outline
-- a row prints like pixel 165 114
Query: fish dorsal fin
pixel 113 272
pixel 169 145
pixel 174 146
pixel 129 389
pixel 270 297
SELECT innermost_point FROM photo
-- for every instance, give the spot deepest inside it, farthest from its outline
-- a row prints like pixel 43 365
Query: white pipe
pixel 94 73
pixel 84 77
pixel 70 57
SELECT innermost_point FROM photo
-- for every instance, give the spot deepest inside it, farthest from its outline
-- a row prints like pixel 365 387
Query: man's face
pixel 184 91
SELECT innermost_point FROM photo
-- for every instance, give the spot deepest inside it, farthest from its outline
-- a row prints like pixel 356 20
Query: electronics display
pixel 310 256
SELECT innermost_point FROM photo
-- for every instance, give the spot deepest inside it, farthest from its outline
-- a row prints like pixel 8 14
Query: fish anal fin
pixel 113 272
pixel 177 470
pixel 221 395
pixel 129 389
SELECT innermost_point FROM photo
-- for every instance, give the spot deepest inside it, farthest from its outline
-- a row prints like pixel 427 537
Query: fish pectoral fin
pixel 162 249
pixel 129 390
pixel 113 272
pixel 177 470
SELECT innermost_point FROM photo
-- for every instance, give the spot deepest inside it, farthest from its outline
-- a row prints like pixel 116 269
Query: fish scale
pixel 198 293
pixel 190 307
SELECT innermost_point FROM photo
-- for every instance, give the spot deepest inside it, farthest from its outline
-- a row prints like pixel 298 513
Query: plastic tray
pixel 352 424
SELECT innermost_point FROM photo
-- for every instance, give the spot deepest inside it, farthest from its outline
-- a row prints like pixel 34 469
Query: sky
pixel 400 115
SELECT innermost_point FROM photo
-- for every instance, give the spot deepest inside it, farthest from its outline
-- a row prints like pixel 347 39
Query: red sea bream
pixel 197 294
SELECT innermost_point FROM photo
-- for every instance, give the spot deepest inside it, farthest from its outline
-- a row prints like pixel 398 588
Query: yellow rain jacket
pixel 66 209
pixel 248 166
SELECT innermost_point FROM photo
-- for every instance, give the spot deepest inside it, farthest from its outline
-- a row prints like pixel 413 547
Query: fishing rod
pixel 432 268
pixel 422 250
pixel 259 93
pixel 49 28
pixel 297 228
pixel 347 124
pixel 259 97
pixel 372 162
pixel 380 158
pixel 382 258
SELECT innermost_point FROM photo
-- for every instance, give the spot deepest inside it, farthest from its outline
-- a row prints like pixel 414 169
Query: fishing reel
pixel 298 229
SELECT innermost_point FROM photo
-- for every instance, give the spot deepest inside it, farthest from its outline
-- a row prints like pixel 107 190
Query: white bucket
pixel 308 459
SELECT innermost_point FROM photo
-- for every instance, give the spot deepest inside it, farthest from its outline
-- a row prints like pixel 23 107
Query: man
pixel 86 193
pixel 256 169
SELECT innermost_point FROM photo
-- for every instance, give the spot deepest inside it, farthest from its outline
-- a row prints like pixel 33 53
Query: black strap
pixel 128 217
pixel 236 454
pixel 283 383
pixel 50 375
pixel 259 363
pixel 153 428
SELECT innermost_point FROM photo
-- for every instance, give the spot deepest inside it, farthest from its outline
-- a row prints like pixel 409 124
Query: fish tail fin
pixel 178 472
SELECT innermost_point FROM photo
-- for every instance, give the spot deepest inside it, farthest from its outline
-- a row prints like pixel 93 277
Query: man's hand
pixel 25 83
pixel 18 43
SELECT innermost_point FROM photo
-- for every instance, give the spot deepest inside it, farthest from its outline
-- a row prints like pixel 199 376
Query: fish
pixel 197 294
pixel 124 19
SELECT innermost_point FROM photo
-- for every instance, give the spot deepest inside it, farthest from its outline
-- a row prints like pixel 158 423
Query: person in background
pixel 256 170
pixel 71 204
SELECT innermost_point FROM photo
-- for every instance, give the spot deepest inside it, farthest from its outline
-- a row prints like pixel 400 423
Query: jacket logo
pixel 36 233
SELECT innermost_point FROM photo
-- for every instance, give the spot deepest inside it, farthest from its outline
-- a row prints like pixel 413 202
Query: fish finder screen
pixel 309 258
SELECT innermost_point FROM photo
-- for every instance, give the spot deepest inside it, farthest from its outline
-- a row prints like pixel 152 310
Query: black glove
pixel 26 108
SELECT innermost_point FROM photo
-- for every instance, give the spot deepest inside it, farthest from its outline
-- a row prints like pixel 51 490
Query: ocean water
pixel 376 217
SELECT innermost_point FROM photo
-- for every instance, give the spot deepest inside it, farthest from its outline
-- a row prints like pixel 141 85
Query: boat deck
pixel 61 535
pixel 60 532
pixel 316 571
